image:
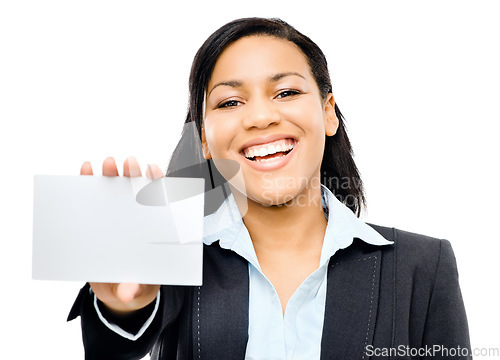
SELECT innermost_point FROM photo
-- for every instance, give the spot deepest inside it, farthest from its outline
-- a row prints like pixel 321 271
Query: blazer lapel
pixel 351 303
pixel 220 306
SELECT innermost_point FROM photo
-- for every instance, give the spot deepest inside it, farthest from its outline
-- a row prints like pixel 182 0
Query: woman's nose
pixel 260 113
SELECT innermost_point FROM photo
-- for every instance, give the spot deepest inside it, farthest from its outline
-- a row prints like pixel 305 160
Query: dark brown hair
pixel 338 170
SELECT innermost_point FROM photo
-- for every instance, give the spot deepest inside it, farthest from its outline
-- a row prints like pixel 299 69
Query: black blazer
pixel 396 298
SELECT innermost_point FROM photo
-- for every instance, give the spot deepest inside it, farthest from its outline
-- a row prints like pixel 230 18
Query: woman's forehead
pixel 258 57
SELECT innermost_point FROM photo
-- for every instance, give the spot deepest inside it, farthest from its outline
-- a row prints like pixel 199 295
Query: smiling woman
pixel 265 97
pixel 290 271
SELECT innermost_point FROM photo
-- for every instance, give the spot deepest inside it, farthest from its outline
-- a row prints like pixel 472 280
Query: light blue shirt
pixel 296 335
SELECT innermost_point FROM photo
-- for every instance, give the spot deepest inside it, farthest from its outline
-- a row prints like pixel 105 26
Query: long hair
pixel 338 170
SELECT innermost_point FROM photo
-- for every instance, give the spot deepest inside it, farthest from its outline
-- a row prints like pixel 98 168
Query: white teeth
pixel 268 149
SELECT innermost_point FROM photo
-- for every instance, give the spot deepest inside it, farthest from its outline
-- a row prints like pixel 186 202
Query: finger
pixel 126 292
pixel 131 167
pixel 109 167
pixel 86 169
pixel 154 172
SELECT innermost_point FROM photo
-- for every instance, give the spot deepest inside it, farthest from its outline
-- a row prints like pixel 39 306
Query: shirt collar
pixel 226 225
pixel 344 226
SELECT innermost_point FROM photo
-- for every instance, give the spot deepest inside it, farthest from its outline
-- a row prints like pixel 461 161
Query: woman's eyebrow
pixel 232 83
pixel 278 77
pixel 273 79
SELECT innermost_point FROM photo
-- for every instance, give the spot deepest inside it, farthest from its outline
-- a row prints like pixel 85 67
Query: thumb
pixel 126 292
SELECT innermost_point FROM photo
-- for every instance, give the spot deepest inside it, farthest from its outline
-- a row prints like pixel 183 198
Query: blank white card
pixel 118 229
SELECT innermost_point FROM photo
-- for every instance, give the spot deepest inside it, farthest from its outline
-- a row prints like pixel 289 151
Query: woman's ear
pixel 331 120
pixel 204 145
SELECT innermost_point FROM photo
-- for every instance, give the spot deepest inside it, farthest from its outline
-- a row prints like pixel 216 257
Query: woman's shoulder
pixel 418 250
pixel 407 240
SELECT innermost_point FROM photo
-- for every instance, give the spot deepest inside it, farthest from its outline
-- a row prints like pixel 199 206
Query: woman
pixel 290 272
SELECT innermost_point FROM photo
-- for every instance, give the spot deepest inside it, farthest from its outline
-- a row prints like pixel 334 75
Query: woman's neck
pixel 292 228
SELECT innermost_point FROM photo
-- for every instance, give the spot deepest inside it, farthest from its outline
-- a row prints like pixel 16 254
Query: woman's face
pixel 264 110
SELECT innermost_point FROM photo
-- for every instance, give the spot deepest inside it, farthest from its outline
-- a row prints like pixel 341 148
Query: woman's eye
pixel 228 104
pixel 287 93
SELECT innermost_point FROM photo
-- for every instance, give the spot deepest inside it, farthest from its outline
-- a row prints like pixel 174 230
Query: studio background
pixel 418 84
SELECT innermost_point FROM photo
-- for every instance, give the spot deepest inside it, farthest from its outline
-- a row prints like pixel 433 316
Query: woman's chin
pixel 277 198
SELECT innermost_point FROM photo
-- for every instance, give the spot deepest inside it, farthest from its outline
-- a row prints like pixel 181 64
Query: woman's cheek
pixel 218 137
pixel 296 112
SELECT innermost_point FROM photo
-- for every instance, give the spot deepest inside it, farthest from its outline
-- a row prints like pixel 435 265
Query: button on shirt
pixel 296 335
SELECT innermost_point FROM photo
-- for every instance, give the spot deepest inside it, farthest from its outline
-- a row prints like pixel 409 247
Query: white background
pixel 417 81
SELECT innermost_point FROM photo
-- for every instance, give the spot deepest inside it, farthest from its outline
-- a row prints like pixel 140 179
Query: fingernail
pixel 133 166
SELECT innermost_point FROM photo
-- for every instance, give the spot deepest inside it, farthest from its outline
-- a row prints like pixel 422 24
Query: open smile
pixel 269 155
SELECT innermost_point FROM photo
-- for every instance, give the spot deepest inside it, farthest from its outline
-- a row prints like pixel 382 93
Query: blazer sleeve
pixel 446 322
pixel 102 343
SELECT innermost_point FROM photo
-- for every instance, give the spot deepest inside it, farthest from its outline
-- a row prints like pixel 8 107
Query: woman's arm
pixel 100 342
pixel 446 321
pixel 110 312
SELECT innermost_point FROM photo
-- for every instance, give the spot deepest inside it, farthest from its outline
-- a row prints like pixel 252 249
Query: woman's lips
pixel 261 140
pixel 270 161
pixel 264 151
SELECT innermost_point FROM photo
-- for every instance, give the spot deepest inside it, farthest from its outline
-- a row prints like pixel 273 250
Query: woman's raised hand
pixel 124 298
